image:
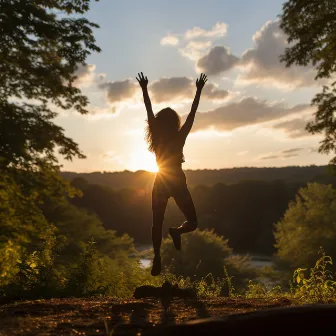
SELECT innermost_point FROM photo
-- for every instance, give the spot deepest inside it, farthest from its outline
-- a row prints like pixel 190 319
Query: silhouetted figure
pixel 166 138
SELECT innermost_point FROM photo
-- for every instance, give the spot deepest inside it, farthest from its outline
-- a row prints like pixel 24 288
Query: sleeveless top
pixel 169 155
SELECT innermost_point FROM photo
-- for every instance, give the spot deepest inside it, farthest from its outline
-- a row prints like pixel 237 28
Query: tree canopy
pixel 42 43
pixel 308 224
pixel 311 29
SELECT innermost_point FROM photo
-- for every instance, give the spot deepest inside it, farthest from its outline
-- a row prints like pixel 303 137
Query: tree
pixel 42 44
pixel 310 26
pixel 308 224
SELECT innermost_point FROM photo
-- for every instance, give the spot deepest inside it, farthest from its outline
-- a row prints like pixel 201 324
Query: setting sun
pixel 143 160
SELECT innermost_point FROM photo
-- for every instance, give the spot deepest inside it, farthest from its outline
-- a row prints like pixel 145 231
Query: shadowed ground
pixel 124 317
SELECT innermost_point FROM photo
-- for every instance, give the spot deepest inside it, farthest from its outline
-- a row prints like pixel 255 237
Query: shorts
pixel 170 184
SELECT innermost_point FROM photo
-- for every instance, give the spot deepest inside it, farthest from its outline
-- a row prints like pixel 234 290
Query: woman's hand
pixel 143 81
pixel 200 82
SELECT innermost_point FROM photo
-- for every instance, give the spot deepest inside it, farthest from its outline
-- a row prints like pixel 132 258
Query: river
pixel 257 261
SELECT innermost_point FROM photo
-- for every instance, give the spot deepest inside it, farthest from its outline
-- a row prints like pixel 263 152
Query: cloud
pixel 242 153
pixel 248 111
pixel 258 65
pixel 119 93
pixel 295 128
pixel 112 156
pixel 183 88
pixel 285 154
pixel 196 42
pixel 269 157
pixel 195 49
pixel 262 64
pixel 313 150
pixel 169 40
pixel 173 89
pixel 292 150
pixel 99 113
pixel 216 61
pixel 218 30
pixel 85 75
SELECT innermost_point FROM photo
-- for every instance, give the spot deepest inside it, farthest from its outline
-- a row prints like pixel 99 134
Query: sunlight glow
pixel 142 159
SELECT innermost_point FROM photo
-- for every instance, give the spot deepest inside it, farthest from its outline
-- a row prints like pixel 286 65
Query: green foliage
pixel 309 25
pixel 204 253
pixel 9 258
pixel 88 277
pixel 308 224
pixel 33 274
pixel 218 207
pixel 40 52
pixel 259 290
pixel 319 286
pixel 75 256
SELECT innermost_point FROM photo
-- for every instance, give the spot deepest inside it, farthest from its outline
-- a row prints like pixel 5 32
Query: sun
pixel 142 159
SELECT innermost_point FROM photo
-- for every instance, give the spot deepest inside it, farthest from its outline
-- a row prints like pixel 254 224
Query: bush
pixel 204 253
pixel 319 287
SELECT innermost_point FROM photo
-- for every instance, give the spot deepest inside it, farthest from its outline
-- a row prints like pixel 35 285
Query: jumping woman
pixel 166 139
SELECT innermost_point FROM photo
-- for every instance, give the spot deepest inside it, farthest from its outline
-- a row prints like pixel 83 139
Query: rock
pixel 166 291
pixel 297 320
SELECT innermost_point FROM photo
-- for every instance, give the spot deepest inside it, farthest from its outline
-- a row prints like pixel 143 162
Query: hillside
pixel 144 179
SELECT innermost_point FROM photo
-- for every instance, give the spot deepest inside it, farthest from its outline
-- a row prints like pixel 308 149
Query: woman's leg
pixel 159 205
pixel 184 201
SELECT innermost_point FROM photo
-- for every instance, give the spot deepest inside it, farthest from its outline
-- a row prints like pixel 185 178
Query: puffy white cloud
pixel 119 91
pixel 259 65
pixel 183 88
pixel 197 41
pixel 169 40
pixel 262 62
pixel 218 30
pixel 173 89
pixel 118 94
pixel 218 60
pixel 248 111
pixel 85 74
pixel 195 49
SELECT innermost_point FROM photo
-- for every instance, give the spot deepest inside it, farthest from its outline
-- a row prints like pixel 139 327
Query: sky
pixel 253 109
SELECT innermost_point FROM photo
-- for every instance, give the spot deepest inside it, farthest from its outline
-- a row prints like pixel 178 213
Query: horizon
pixel 197 169
pixel 253 110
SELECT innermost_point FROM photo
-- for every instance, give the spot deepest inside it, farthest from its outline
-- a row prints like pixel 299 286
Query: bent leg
pixel 159 205
pixel 184 201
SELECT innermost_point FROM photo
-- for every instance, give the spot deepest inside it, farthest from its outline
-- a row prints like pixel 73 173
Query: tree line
pixel 244 212
pixel 143 179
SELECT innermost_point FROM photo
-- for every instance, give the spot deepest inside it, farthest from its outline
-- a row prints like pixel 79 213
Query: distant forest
pixel 143 179
pixel 242 204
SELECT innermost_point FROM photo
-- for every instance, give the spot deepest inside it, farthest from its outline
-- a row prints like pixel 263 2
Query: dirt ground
pixel 107 316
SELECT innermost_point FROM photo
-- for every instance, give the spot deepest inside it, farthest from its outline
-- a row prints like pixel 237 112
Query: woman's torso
pixel 169 154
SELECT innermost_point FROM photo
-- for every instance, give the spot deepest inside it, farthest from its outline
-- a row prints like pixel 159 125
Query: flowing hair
pixel 166 124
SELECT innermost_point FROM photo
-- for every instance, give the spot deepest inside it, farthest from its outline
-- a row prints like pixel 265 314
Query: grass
pixel 105 315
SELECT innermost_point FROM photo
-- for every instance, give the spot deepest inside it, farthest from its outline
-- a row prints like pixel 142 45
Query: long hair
pixel 166 124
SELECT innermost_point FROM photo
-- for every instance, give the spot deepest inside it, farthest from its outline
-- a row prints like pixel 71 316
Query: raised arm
pixel 200 82
pixel 143 82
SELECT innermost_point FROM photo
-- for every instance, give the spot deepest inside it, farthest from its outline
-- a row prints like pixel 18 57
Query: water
pixel 256 261
pixel 145 263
